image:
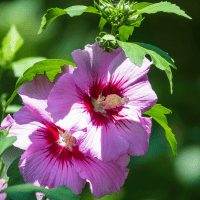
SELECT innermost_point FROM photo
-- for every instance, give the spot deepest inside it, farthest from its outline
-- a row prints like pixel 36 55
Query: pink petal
pixel 92 64
pixel 44 163
pixel 136 135
pixel 104 178
pixel 141 96
pixel 64 104
pixel 64 69
pixel 34 95
pixel 8 121
pixel 25 124
pixel 127 73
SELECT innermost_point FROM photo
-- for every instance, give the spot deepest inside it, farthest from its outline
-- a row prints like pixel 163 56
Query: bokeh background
pixel 157 175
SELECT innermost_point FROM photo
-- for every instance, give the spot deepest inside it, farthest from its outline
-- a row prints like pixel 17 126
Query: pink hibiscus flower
pixel 52 156
pixel 106 94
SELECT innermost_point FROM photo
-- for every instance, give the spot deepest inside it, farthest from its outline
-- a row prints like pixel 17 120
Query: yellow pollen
pixel 109 102
pixel 67 140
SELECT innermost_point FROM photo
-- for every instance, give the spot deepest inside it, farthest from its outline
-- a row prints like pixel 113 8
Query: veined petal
pixel 49 164
pixel 113 145
pixel 34 95
pixel 104 178
pixel 127 73
pixel 136 135
pixel 62 96
pixel 25 124
pixel 92 65
pixel 8 121
pixel 141 96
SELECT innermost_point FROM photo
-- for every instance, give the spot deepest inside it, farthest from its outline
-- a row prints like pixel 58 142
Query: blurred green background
pixel 157 175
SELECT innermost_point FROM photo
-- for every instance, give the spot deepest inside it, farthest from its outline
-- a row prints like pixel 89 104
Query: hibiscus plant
pixel 81 122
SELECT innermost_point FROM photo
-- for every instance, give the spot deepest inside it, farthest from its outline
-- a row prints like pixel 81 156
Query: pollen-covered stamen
pixel 67 140
pixel 110 102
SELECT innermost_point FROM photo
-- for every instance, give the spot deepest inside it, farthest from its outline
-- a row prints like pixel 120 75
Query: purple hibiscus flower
pixel 3 195
pixel 106 94
pixel 52 156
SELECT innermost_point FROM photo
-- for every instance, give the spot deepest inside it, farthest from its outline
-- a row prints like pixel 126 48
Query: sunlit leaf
pixel 125 32
pixel 164 7
pixel 20 66
pixel 102 23
pixel 141 5
pixel 161 59
pixel 72 11
pixel 13 108
pixel 51 67
pixel 11 43
pixel 6 142
pixel 157 112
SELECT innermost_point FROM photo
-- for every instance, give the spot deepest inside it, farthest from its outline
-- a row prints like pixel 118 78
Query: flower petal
pixel 92 64
pixel 8 121
pixel 50 165
pixel 64 69
pixel 127 73
pixel 34 95
pixel 104 178
pixel 25 124
pixel 3 195
pixel 141 96
pixel 136 135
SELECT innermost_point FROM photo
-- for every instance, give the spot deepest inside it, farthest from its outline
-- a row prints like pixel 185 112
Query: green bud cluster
pixel 119 13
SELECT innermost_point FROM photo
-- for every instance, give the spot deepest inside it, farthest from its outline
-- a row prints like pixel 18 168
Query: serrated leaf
pixel 72 11
pixel 157 112
pixel 163 7
pixel 18 191
pixel 161 59
pixel 125 32
pixel 2 164
pixel 11 43
pixel 102 23
pixel 51 14
pixel 141 5
pixel 51 67
pixel 20 66
pixel 79 10
pixel 6 142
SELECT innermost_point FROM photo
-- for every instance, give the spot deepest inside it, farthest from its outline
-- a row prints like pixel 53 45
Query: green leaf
pixel 13 108
pixel 102 23
pixel 125 32
pixel 72 11
pixel 11 43
pixel 51 14
pixel 157 112
pixel 164 7
pixel 161 59
pixel 14 174
pixel 51 67
pixel 20 66
pixel 6 142
pixel 17 192
pixel 141 5
pixel 2 164
pixel 79 10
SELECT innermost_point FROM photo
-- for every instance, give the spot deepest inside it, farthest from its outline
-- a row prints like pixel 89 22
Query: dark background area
pixel 156 175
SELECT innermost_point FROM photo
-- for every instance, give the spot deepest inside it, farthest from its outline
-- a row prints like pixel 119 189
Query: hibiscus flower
pixel 52 156
pixel 107 95
pixel 3 195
